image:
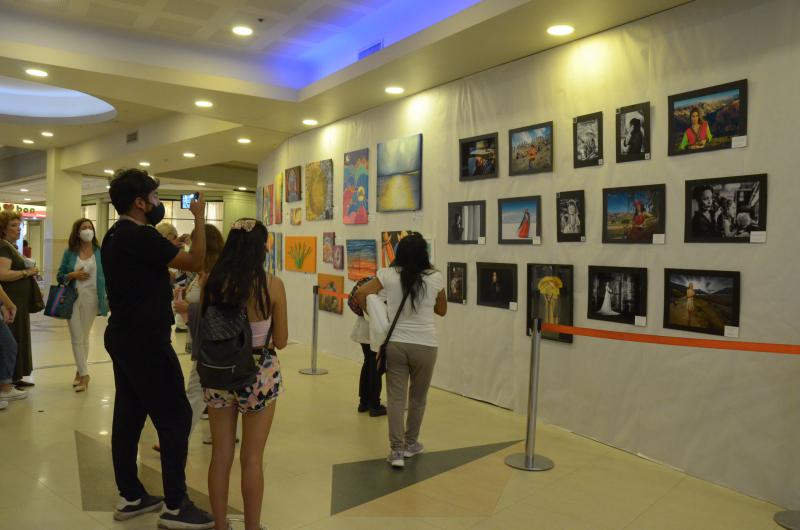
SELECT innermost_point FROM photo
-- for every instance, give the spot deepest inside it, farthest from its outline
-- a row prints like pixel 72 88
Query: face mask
pixel 87 234
pixel 155 215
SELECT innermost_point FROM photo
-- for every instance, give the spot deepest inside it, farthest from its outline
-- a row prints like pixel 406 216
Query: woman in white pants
pixel 81 265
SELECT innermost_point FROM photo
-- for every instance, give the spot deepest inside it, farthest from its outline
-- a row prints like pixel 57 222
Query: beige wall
pixel 238 204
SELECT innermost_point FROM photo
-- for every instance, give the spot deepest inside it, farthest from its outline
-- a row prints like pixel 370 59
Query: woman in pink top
pixel 238 279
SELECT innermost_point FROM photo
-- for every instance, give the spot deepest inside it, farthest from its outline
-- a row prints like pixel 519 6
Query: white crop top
pixel 260 331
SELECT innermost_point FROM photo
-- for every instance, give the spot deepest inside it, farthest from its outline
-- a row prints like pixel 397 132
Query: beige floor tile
pixel 370 523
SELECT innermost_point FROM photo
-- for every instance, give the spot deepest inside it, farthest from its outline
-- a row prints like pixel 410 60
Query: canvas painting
pixel 530 149
pixel 362 259
pixel 278 252
pixel 293 182
pixel 708 119
pixel 277 211
pixel 328 241
pixel 725 210
pixel 271 248
pixel 703 301
pixel 295 216
pixel 633 133
pixel 497 284
pixel 260 202
pixel 519 220
pixel 478 156
pixel 268 204
pixel 550 291
pixel 571 216
pixel 355 208
pixel 389 241
pixel 587 140
pixel 301 253
pixel 617 294
pixel 400 174
pixel 319 190
pixel 634 214
pixel 338 257
pixel 466 222
pixel 330 283
pixel 457 283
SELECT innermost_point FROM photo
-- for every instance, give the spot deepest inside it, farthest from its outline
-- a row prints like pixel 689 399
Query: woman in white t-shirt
pixel 412 347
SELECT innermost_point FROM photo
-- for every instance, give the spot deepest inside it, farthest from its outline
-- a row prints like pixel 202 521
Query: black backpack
pixel 225 358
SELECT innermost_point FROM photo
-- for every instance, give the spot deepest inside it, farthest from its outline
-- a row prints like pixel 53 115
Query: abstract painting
pixel 271 250
pixel 301 253
pixel 355 208
pixel 332 284
pixel 319 190
pixel 267 203
pixel 531 149
pixel 328 240
pixel 400 174
pixel 278 251
pixel 389 241
pixel 338 257
pixel 296 216
pixel 293 182
pixel 550 298
pixel 277 211
pixel 362 259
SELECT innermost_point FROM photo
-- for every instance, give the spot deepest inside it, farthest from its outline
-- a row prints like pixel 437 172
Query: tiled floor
pixel 592 486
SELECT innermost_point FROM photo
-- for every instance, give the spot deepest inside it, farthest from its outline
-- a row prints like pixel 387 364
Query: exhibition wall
pixel 726 416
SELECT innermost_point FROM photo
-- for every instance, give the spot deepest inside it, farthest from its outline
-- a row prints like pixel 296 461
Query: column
pixel 63 208
pixel 238 204
pixel 102 218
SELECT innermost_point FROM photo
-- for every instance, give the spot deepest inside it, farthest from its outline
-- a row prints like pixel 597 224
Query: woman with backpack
pixel 239 290
pixel 415 291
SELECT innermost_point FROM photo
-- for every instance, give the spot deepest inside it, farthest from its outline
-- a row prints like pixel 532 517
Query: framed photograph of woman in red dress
pixel 519 220
pixel 634 214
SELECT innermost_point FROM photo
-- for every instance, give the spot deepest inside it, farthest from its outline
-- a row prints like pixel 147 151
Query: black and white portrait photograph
pixel 497 284
pixel 587 140
pixel 571 216
pixel 617 294
pixel 725 210
pixel 466 222
pixel 457 282
pixel 633 133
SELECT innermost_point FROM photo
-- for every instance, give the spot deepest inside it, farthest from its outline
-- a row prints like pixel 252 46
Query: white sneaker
pixel 3 405
pixel 13 394
pixel 395 458
pixel 413 450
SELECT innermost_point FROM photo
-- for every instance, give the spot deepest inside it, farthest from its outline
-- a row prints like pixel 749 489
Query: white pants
pixel 194 393
pixel 80 325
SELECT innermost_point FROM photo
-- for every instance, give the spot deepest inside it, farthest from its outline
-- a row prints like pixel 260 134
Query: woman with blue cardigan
pixel 82 266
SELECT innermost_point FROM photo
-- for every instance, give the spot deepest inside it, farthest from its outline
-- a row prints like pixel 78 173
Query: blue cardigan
pixel 68 265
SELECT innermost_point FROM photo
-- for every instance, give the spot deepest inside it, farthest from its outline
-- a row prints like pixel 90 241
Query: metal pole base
pixel 788 519
pixel 313 371
pixel 519 461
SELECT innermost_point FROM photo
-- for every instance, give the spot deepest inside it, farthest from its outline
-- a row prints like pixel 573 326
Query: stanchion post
pixel 788 519
pixel 314 334
pixel 529 461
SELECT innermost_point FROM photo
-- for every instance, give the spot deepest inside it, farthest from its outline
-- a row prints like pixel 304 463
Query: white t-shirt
pixel 414 326
pixel 90 266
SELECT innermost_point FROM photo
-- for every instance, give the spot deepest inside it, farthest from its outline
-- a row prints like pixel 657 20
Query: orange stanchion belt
pixel 334 294
pixel 675 341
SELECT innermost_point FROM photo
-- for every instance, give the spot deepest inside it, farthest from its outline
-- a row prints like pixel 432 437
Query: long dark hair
pixel 413 263
pixel 239 272
pixel 75 235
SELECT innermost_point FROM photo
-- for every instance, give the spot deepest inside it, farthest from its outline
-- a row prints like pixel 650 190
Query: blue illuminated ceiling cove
pixel 26 102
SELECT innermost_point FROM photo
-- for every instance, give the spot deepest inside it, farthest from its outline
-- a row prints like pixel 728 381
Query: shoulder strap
pixel 396 318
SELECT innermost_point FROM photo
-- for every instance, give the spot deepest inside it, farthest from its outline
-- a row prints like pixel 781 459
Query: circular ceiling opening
pixel 35 103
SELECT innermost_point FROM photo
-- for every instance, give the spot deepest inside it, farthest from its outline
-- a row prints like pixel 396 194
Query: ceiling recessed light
pixel 108 171
pixel 35 72
pixel 242 188
pixel 560 30
pixel 242 31
pixel 310 122
pixel 244 140
pixel 47 134
pixel 144 163
pixel 27 198
pixel 203 103
pixel 27 141
pixel 201 183
pixel 189 154
pixel 108 187
pixel 24 190
pixel 394 90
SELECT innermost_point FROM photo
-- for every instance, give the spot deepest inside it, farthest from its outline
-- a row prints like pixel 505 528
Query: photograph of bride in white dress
pixel 617 294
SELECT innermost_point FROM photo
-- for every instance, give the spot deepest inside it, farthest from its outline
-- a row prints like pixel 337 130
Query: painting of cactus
pixel 301 253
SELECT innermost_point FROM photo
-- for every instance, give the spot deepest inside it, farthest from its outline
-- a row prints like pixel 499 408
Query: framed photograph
pixel 457 283
pixel 701 300
pixel 587 140
pixel 530 149
pixel 633 132
pixel 725 210
pixel 497 285
pixel 293 182
pixel 519 220
pixel 466 222
pixel 570 216
pixel 478 157
pixel 708 119
pixel 334 284
pixel 550 290
pixel 400 174
pixel 355 208
pixel 319 190
pixel 634 214
pixel 617 294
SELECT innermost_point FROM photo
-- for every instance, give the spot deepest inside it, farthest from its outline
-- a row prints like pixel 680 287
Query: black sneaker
pixel 363 407
pixel 129 509
pixel 186 517
pixel 379 411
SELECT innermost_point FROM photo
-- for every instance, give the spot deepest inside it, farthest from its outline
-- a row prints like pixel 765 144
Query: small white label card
pixel 482 240
pixel 739 141
pixel 583 239
pixel 463 302
pixel 647 156
pixel 658 239
pixel 600 162
pixel 512 306
pixel 537 240
pixel 640 321
pixel 732 332
pixel 758 236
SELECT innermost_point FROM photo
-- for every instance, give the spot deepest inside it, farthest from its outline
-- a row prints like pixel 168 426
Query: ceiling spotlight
pixel 203 103
pixel 108 187
pixel 189 154
pixel 394 90
pixel 242 31
pixel 23 190
pixel 27 198
pixel 108 171
pixel 242 188
pixel 201 183
pixel 310 122
pixel 144 163
pixel 47 134
pixel 244 140
pixel 27 141
pixel 35 72
pixel 560 30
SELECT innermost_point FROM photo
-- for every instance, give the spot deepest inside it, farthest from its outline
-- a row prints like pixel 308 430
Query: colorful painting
pixel 338 257
pixel 296 216
pixel 389 241
pixel 400 174
pixel 271 249
pixel 319 190
pixel 334 284
pixel 293 182
pixel 519 220
pixel 301 253
pixel 266 213
pixel 355 207
pixel 328 241
pixel 279 251
pixel 362 259
pixel 277 211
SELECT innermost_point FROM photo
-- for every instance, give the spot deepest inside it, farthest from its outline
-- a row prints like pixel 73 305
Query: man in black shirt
pixel 148 377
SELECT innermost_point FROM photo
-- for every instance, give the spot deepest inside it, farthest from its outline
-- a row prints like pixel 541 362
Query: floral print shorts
pixel 255 397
